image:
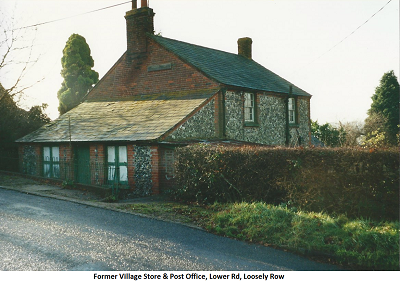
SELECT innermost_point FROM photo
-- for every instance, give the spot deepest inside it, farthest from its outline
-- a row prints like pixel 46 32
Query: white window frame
pixel 249 107
pixel 292 110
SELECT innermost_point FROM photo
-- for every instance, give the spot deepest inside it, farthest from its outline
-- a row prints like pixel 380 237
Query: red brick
pixel 129 78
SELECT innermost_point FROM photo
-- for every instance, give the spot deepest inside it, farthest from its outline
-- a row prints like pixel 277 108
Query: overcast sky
pixel 302 41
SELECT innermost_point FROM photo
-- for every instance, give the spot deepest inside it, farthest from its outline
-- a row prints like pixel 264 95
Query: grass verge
pixel 359 244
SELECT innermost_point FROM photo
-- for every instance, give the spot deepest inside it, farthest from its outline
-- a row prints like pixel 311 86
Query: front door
pixel 82 164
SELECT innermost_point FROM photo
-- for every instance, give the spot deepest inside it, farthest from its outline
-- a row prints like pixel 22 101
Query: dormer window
pixel 249 107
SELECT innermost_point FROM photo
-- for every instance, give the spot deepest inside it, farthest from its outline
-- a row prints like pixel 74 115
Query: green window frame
pixel 51 162
pixel 117 164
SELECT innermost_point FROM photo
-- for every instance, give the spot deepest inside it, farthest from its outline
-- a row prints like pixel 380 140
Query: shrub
pixel 207 174
pixel 355 182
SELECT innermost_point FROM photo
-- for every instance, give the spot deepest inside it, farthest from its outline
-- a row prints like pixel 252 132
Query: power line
pixel 85 13
pixel 347 35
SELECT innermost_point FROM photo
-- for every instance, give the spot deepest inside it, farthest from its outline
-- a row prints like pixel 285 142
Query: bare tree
pixel 16 56
pixel 354 131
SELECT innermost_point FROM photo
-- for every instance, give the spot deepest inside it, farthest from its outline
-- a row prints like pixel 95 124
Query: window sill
pixel 294 125
pixel 251 124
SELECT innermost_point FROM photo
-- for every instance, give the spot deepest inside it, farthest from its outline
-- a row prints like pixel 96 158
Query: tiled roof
pixel 141 118
pixel 228 68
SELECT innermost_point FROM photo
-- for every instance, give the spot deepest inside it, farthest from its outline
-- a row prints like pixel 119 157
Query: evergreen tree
pixel 16 122
pixel 77 72
pixel 329 135
pixel 383 116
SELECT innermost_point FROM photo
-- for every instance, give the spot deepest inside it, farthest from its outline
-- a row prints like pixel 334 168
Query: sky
pixel 333 50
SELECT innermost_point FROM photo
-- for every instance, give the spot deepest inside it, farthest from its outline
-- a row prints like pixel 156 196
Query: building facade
pixel 162 94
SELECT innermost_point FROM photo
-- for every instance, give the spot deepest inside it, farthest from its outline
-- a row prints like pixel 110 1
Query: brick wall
pixel 131 166
pixel 98 172
pixel 155 174
pixel 131 77
pixel 138 23
pixel 66 165
pixel 144 164
pixel 219 115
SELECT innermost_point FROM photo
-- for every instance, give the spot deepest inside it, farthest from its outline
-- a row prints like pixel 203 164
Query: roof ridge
pixel 229 68
pixel 192 44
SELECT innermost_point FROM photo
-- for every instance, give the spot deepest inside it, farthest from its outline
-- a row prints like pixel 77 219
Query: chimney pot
pixel 244 47
pixel 144 3
pixel 134 4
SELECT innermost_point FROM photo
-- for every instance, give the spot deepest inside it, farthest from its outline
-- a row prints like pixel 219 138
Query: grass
pixel 359 244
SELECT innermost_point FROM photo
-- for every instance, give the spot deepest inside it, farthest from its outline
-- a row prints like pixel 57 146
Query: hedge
pixel 352 181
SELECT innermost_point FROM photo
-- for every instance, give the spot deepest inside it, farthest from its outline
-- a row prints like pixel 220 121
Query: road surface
pixel 39 233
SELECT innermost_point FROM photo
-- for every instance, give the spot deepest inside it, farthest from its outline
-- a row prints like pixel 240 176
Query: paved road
pixel 38 233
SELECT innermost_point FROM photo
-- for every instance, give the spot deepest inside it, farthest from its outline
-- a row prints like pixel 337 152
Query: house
pixel 163 93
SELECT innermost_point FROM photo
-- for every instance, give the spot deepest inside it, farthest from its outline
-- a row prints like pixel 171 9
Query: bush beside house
pixel 356 182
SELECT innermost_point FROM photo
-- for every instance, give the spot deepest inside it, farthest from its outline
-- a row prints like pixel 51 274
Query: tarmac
pixel 81 195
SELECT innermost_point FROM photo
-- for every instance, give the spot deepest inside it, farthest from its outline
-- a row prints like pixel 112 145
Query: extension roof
pixel 135 119
pixel 228 68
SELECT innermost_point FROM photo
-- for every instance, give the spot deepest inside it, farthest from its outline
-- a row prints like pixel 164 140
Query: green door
pixel 82 164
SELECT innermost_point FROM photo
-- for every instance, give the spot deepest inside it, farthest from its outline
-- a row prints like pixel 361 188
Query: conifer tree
pixel 79 78
pixel 383 116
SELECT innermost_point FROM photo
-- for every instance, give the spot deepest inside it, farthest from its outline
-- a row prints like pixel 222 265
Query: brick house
pixel 163 93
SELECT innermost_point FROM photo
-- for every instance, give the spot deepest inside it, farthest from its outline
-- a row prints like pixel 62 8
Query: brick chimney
pixel 244 47
pixel 139 21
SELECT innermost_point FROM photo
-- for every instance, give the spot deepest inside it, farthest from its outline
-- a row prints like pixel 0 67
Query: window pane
pixel 56 170
pixel 248 114
pixel 123 157
pixel 55 151
pixel 111 154
pixel 123 173
pixel 291 116
pixel 248 100
pixel 46 170
pixel 292 110
pixel 291 104
pixel 111 172
pixel 248 107
pixel 46 153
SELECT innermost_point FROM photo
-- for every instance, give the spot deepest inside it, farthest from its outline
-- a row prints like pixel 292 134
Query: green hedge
pixel 356 182
pixel 9 159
